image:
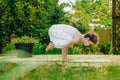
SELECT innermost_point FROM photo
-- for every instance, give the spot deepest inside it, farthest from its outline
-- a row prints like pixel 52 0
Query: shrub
pixel 39 48
pixel 81 49
pixel 24 39
pixel 106 47
pixel 8 47
pixel 75 50
pixel 54 51
pixel 89 49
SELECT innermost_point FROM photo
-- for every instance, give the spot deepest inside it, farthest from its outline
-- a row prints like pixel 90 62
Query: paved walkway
pixel 85 60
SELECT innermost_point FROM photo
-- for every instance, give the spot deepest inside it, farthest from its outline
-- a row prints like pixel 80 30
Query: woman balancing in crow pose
pixel 64 36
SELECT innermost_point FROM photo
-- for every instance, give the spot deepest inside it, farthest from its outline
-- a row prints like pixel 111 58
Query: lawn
pixel 56 71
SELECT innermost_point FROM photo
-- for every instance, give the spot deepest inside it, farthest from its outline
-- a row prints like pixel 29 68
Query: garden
pixel 24 25
pixel 32 19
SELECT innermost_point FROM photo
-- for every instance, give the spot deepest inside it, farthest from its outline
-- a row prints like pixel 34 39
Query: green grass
pixel 64 72
pixel 56 71
pixel 5 67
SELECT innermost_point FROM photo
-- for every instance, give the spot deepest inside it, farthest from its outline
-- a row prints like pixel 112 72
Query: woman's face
pixel 87 42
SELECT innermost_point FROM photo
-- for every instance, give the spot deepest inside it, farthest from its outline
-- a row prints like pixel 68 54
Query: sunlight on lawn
pixel 56 71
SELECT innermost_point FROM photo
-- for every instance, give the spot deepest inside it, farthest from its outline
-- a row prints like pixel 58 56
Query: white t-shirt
pixel 61 34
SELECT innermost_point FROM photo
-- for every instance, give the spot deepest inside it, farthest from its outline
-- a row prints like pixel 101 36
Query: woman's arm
pixel 76 39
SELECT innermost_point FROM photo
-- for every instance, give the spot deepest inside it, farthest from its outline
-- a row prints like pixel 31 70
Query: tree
pixel 28 17
pixel 86 10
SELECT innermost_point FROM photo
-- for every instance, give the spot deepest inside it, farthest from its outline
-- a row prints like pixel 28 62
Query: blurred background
pixel 32 18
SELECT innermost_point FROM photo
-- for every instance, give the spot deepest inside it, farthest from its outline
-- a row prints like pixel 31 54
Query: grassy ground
pixel 5 67
pixel 58 71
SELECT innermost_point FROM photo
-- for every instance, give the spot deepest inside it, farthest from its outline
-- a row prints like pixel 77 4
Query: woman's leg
pixel 50 46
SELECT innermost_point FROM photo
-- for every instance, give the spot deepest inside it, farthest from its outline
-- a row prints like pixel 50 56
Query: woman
pixel 64 36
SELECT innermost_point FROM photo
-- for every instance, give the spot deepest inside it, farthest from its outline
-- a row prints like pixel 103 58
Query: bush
pixel 75 50
pixel 89 49
pixel 39 48
pixel 24 39
pixel 106 47
pixel 54 51
pixel 81 49
pixel 8 47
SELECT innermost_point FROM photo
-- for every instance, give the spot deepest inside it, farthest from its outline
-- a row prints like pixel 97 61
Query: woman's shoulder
pixel 78 35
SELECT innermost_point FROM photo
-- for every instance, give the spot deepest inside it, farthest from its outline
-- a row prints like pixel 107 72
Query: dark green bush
pixel 39 48
pixel 81 49
pixel 54 51
pixel 89 49
pixel 8 47
pixel 106 47
pixel 77 49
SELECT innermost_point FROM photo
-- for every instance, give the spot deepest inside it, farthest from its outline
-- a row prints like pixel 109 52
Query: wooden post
pixel 116 26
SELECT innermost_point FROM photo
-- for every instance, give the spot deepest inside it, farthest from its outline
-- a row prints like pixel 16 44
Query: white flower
pixel 92 26
pixel 97 25
pixel 95 20
pixel 102 26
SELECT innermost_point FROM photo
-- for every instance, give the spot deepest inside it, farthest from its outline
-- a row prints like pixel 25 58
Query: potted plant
pixel 24 44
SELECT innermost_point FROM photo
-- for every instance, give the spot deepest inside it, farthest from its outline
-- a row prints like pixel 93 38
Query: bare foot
pixel 46 49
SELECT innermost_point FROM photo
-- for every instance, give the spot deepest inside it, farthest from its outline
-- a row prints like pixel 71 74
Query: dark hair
pixel 92 37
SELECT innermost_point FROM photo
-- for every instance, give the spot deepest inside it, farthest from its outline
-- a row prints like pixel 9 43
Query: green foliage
pixel 8 47
pixel 39 48
pixel 86 10
pixel 43 37
pixel 24 39
pixel 54 51
pixel 34 17
pixel 90 49
pixel 106 47
pixel 26 17
pixel 81 49
pixel 77 49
